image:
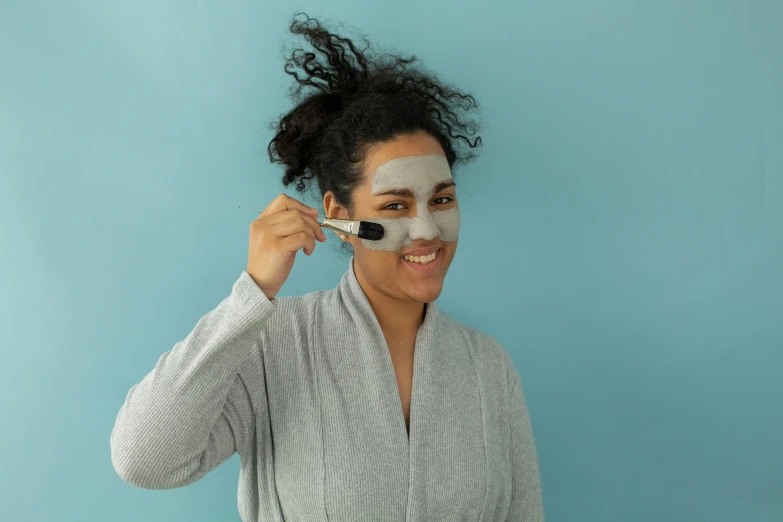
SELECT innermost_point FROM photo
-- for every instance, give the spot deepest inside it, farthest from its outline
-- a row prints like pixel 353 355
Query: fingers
pixel 299 240
pixel 288 222
pixel 288 225
pixel 283 202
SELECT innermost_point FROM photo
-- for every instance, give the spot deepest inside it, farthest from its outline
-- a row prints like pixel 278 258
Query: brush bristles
pixel 370 231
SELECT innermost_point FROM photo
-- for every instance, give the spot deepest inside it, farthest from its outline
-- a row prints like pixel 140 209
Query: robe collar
pixel 359 306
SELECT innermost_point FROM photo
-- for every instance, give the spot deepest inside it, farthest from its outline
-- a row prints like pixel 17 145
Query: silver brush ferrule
pixel 349 227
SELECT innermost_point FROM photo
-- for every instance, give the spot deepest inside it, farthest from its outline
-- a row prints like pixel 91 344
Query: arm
pixel 526 497
pixel 192 411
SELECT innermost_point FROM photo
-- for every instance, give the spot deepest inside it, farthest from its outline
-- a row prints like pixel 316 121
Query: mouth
pixel 424 262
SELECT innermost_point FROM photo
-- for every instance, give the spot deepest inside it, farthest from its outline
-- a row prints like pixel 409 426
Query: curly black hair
pixel 349 100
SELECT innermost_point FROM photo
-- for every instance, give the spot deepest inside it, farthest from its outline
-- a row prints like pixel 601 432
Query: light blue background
pixel 622 237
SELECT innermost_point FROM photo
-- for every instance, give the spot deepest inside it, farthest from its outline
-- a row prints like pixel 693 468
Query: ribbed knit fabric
pixel 304 389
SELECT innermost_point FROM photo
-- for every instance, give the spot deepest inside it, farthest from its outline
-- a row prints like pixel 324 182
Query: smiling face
pixel 416 178
pixel 407 187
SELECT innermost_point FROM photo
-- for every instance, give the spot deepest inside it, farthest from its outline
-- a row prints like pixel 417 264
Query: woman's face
pixel 407 187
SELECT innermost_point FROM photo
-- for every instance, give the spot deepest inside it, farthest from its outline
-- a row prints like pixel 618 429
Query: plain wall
pixel 622 233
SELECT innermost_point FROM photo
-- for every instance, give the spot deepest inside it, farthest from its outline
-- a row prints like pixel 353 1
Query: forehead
pixel 420 173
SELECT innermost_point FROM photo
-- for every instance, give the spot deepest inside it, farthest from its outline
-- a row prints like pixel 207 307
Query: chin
pixel 426 293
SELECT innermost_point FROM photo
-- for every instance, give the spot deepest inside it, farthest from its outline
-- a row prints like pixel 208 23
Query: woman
pixel 365 402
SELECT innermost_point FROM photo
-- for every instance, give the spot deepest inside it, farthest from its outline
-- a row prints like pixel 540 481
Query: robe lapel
pixel 422 474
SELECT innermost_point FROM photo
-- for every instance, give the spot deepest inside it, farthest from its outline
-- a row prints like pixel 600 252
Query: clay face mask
pixel 419 174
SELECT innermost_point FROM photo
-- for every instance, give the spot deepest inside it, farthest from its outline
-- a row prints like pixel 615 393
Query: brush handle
pixel 258 210
pixel 342 225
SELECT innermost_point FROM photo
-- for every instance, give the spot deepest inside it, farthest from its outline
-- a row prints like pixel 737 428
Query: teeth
pixel 421 259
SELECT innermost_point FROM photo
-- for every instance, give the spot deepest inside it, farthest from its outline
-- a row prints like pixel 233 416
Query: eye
pixel 390 205
pixel 443 200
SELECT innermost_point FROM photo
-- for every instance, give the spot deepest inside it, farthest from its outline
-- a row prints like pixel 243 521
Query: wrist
pixel 270 293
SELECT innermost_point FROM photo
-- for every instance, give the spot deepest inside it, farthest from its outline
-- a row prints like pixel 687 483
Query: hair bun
pixel 347 98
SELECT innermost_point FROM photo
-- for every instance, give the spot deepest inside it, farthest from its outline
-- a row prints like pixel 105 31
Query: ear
pixel 335 211
pixel 332 208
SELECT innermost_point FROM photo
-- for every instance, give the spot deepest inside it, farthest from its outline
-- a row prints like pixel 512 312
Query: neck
pixel 394 315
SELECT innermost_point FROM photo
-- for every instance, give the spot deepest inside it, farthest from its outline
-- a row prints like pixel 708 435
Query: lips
pixel 421 252
pixel 422 260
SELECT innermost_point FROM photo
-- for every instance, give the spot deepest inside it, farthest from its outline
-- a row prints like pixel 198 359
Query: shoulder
pixel 303 308
pixel 305 301
pixel 486 342
pixel 486 347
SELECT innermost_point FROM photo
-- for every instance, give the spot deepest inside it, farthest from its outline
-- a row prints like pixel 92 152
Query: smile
pixel 423 260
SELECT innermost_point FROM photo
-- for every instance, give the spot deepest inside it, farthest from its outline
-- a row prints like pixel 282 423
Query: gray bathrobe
pixel 304 389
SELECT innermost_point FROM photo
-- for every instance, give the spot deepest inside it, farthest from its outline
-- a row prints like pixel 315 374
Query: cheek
pixel 395 235
pixel 448 222
pixel 396 232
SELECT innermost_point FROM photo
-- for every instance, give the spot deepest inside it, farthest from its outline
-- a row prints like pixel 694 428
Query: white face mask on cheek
pixel 419 174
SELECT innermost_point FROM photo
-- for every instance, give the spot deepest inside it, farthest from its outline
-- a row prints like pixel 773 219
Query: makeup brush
pixel 361 229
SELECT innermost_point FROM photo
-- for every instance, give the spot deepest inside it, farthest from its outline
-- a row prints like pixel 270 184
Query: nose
pixel 423 226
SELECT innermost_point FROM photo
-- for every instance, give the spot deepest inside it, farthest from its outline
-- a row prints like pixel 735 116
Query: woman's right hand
pixel 285 226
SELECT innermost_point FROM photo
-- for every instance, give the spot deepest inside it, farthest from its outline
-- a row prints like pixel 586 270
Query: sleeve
pixel 192 411
pixel 526 496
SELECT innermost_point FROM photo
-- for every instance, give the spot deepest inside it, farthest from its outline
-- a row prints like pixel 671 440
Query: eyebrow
pixel 408 193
